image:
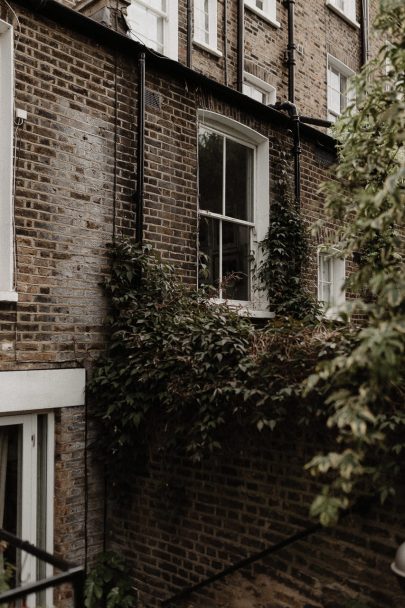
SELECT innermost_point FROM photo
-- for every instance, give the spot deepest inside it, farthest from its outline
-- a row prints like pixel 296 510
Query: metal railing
pixel 70 573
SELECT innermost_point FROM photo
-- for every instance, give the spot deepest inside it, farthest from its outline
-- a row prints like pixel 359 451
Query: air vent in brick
pixel 152 100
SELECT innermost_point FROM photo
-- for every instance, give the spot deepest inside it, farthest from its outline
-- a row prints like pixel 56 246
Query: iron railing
pixel 70 573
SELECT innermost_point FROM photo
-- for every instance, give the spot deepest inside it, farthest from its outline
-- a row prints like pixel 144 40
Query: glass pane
pixel 334 93
pixel 10 493
pixel 254 93
pixel 235 261
pixel 201 23
pixel 146 26
pixel 239 181
pixel 210 154
pixel 209 248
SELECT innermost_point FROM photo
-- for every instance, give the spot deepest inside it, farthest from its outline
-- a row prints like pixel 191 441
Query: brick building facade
pixel 69 172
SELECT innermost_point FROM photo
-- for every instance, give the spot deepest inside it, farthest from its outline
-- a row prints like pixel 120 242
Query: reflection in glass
pixel 239 183
pixel 235 261
pixel 209 248
pixel 210 151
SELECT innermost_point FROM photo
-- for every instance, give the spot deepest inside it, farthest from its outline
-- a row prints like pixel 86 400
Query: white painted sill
pixel 264 16
pixel 343 15
pixel 8 296
pixel 244 309
pixel 208 48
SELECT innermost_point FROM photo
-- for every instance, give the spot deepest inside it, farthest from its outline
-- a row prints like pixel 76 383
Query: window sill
pixel 208 48
pixel 343 15
pixel 244 309
pixel 264 16
pixel 8 296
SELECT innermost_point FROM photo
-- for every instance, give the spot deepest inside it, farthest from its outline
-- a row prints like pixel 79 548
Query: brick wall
pixel 186 522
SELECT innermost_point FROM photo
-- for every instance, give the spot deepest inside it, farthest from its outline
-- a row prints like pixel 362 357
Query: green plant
pixel 108 584
pixel 364 383
pixel 285 251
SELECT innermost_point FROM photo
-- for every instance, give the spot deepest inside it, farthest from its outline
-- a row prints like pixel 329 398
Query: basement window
pixel 155 24
pixel 266 9
pixel 7 288
pixel 331 279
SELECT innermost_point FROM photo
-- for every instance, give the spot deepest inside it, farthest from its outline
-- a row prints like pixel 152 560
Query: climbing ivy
pixel 285 252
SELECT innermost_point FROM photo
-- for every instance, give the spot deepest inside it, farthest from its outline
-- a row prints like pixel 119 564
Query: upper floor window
pixel 340 93
pixel 7 288
pixel 205 23
pixel 233 206
pixel 154 23
pixel 265 9
pixel 344 8
pixel 331 279
pixel 258 89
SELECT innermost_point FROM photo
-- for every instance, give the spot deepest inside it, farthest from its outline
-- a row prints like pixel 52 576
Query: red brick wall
pixel 185 522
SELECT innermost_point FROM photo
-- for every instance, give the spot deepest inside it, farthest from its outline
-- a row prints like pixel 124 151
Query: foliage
pixel 364 384
pixel 185 371
pixel 285 250
pixel 108 584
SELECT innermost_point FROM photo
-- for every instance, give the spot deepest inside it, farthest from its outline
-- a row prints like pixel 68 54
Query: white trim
pixel 8 296
pixel 343 70
pixel 211 45
pixel 6 163
pixel 268 15
pixel 207 48
pixel 50 498
pixel 170 26
pixel 261 86
pixel 350 19
pixel 41 389
pixel 250 138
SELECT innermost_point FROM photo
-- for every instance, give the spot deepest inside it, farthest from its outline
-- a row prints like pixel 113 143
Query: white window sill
pixel 8 296
pixel 244 309
pixel 208 48
pixel 343 15
pixel 265 16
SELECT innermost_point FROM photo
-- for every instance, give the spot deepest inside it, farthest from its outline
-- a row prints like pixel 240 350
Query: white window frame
pixel 212 45
pixel 337 280
pixel 348 12
pixel 257 306
pixel 28 521
pixel 267 13
pixel 346 72
pixel 266 89
pixel 7 261
pixel 170 26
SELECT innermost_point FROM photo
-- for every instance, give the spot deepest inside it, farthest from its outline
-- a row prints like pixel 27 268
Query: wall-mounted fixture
pixel 398 565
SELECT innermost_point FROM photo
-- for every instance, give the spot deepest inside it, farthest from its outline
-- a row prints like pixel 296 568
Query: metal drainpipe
pixel 291 50
pixel 226 42
pixel 141 149
pixel 241 43
pixel 291 108
pixel 189 32
pixel 364 31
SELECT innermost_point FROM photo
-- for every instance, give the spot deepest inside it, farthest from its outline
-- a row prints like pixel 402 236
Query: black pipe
pixel 320 122
pixel 189 32
pixel 226 42
pixel 291 108
pixel 241 43
pixel 364 31
pixel 291 47
pixel 140 193
pixel 24 545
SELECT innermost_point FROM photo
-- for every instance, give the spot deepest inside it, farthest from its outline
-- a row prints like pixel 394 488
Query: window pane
pixel 209 247
pixel 147 26
pixel 210 151
pixel 235 261
pixel 202 21
pixel 239 182
pixel 10 507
